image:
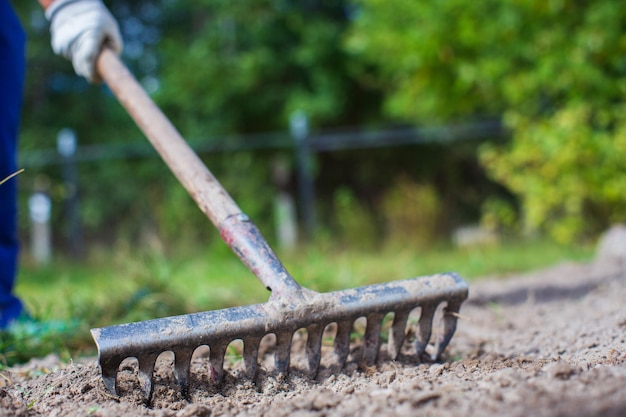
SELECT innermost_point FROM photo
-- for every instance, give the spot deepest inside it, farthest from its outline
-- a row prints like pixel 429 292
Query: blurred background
pixel 485 137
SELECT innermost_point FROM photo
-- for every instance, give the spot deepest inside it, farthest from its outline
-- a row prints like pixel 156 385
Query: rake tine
pixel 425 329
pixel 216 362
pixel 342 342
pixel 397 334
pixel 450 314
pixel 371 342
pixel 314 347
pixel 251 356
pixel 182 365
pixel 283 352
pixel 146 369
pixel 108 369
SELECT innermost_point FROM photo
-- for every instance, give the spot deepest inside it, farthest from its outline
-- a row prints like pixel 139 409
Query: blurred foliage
pixel 555 69
pixel 413 213
pixel 354 223
pixel 247 66
pixel 568 168
pixel 217 69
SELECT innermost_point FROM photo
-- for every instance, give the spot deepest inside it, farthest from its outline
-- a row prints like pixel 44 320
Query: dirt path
pixel 550 343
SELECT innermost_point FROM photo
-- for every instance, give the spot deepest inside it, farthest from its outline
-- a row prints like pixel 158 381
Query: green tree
pixel 247 65
pixel 216 68
pixel 556 71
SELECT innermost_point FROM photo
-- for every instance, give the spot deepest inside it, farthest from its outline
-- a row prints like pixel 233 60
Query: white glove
pixel 79 28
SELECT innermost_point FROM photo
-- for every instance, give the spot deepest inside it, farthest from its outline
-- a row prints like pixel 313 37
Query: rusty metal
pixel 290 307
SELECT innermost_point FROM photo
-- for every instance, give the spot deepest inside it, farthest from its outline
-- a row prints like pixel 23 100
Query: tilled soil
pixel 549 343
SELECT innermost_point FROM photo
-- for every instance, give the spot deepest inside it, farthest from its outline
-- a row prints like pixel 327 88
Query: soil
pixel 548 343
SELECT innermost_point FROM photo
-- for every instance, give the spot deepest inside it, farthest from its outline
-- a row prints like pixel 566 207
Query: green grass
pixel 120 286
pixel 330 270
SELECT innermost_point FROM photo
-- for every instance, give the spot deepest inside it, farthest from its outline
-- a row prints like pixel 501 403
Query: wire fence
pixel 324 141
pixel 298 139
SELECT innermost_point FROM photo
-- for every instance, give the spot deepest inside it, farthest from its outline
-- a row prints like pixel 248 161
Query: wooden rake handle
pixel 203 187
pixel 235 227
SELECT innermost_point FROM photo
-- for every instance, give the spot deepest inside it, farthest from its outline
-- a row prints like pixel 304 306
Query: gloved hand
pixel 79 28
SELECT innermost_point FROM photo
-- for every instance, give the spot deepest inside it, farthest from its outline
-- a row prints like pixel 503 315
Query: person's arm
pixel 79 29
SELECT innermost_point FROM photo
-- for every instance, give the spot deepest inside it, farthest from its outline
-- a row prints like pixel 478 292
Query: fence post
pixel 285 218
pixel 299 128
pixel 66 146
pixel 39 207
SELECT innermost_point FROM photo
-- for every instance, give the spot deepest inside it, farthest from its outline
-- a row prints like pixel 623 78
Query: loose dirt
pixel 549 343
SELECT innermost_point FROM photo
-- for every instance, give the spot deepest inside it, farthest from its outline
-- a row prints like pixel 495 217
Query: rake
pixel 290 306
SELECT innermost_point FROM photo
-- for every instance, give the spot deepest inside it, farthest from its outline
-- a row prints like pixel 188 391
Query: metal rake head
pixel 146 340
pixel 290 308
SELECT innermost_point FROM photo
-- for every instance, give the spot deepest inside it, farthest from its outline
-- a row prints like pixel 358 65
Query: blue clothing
pixel 12 68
